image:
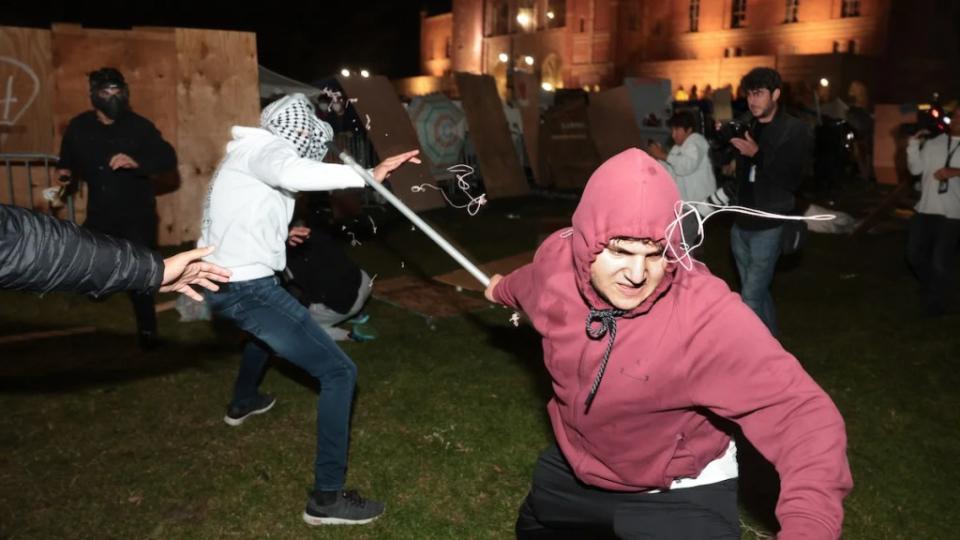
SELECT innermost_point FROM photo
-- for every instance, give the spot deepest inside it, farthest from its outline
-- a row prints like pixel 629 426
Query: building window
pixel 836 47
pixel 793 9
pixel 694 15
pixel 726 52
pixel 852 46
pixel 526 18
pixel 556 16
pixel 498 18
pixel 583 25
pixel 850 8
pixel 446 49
pixel 738 15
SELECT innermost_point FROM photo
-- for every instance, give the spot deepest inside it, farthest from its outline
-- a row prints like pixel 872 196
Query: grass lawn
pixel 99 440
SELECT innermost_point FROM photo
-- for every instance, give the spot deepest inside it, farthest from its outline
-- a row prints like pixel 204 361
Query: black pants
pixel 141 230
pixel 559 507
pixel 931 247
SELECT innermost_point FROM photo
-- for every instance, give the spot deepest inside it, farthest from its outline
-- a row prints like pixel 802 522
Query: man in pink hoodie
pixel 645 356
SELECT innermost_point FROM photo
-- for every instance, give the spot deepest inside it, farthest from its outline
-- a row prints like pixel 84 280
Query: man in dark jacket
pixel 42 254
pixel 772 157
pixel 116 152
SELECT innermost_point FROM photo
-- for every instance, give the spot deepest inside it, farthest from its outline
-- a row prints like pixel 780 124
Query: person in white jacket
pixel 688 161
pixel 246 215
pixel 935 227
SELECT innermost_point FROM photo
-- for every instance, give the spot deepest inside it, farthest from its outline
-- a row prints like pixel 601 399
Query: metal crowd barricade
pixel 28 161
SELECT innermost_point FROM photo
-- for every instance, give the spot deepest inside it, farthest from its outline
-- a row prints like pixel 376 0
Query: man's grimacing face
pixel 628 271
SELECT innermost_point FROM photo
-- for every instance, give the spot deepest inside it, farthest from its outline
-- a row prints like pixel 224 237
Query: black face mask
pixel 113 107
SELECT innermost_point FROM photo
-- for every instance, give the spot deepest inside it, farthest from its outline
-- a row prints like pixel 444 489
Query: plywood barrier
pixel 390 130
pixel 502 174
pixel 567 155
pixel 612 124
pixel 192 84
pixel 217 86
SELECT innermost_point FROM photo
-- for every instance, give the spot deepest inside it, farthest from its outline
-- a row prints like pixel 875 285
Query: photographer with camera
pixel 772 156
pixel 935 227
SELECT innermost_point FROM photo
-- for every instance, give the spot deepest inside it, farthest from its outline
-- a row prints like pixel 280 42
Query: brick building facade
pixel 595 43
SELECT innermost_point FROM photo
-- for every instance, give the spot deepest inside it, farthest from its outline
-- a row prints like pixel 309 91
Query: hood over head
pixel 631 196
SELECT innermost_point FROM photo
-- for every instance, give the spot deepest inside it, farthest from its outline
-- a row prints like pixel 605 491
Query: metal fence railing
pixel 30 163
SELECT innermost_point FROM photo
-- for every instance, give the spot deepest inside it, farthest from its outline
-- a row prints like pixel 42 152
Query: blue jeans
pixel 931 248
pixel 756 253
pixel 280 324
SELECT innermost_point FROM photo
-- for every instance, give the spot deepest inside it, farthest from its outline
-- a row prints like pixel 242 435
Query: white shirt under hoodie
pixel 250 202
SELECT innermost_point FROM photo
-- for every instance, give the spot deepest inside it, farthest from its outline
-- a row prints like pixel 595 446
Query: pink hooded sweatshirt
pixel 692 345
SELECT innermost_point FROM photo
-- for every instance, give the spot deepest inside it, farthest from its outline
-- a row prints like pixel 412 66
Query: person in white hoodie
pixel 688 161
pixel 246 215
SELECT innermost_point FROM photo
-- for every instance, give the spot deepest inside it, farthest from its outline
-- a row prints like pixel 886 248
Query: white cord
pixel 462 172
pixel 684 259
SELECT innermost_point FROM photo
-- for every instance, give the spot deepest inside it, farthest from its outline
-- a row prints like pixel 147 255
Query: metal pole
pixel 412 216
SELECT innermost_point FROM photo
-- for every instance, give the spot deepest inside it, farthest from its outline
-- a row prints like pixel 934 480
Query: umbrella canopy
pixel 441 128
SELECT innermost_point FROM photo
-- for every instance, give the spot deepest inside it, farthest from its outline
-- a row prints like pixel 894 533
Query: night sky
pixel 304 40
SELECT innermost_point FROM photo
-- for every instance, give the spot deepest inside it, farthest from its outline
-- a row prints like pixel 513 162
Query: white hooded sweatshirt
pixel 689 163
pixel 250 202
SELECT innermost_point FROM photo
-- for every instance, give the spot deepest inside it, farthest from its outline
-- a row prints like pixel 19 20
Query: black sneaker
pixel 237 415
pixel 348 509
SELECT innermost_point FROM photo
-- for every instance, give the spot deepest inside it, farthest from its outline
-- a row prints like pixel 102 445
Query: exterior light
pixel 550 15
pixel 503 57
pixel 345 72
pixel 824 82
pixel 528 60
pixel 523 18
pixel 364 73
pixel 547 86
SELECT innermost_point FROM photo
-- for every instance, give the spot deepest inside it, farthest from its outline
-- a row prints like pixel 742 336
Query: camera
pixel 931 119
pixel 731 129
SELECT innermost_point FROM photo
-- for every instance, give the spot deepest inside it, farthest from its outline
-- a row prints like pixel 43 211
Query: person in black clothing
pixel 116 152
pixel 769 169
pixel 40 253
pixel 323 277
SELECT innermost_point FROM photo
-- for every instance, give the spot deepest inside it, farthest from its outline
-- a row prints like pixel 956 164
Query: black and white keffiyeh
pixel 293 118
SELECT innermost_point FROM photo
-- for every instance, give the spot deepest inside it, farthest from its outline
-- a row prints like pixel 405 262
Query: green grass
pixel 98 440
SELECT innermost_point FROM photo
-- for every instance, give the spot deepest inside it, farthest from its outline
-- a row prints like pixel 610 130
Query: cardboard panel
pixel 502 173
pixel 216 87
pixel 391 132
pixel 612 125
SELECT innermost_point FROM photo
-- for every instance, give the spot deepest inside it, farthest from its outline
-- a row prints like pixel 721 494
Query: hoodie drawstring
pixel 608 324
